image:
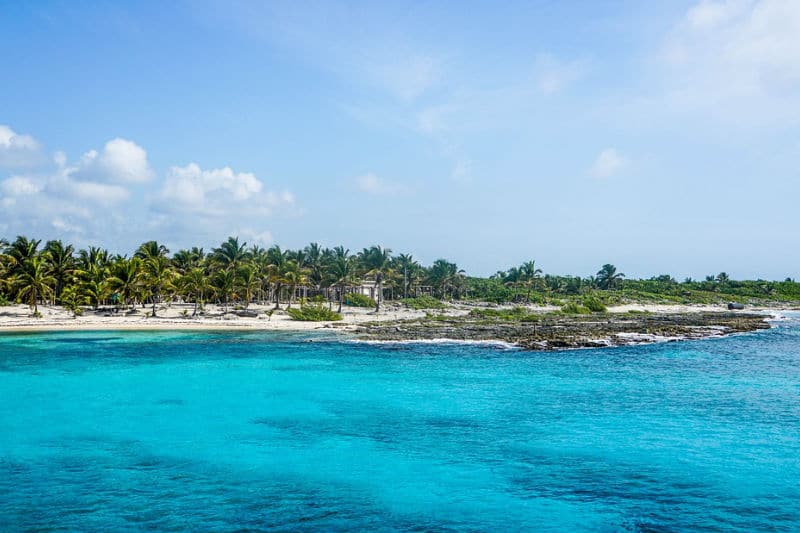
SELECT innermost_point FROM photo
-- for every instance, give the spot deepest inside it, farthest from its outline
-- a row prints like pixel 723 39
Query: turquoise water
pixel 108 431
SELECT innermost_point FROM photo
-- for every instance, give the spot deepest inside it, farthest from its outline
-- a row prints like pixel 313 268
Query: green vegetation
pixel 313 312
pixel 572 308
pixel 594 304
pixel 423 302
pixel 515 314
pixel 355 299
pixel 235 275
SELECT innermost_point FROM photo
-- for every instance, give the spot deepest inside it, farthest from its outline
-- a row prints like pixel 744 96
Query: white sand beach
pixel 178 316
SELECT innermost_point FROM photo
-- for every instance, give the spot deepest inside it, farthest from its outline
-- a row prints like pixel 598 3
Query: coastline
pixel 623 325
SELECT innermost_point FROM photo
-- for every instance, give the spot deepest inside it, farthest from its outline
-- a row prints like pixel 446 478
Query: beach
pixel 542 329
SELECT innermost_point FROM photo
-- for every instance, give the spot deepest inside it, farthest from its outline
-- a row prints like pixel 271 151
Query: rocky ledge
pixel 549 332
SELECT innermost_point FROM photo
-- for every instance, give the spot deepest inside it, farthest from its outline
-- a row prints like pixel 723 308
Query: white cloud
pixel 607 164
pixel 737 59
pixel 201 190
pixel 121 161
pixel 18 150
pixel 20 186
pixel 372 184
pixel 89 200
pixel 100 193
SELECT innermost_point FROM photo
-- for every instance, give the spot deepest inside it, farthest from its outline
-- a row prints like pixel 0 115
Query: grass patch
pixel 423 302
pixel 313 312
pixel 514 314
pixel 573 308
pixel 355 299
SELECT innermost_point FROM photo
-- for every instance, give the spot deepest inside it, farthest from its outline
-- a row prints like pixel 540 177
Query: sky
pixel 662 137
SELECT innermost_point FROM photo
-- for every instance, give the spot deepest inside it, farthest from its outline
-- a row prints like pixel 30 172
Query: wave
pixel 461 342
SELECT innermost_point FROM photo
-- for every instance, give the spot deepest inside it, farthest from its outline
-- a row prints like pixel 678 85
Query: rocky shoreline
pixel 558 332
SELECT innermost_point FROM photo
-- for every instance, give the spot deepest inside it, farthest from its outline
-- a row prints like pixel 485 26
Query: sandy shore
pixel 174 317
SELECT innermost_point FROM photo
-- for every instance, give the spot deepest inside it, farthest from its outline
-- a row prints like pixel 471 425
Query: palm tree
pixel 445 276
pixel 60 262
pixel 195 284
pixel 530 275
pixel 293 276
pixel 513 278
pixel 95 290
pixel 186 260
pixel 405 265
pixel 230 253
pixel 92 256
pixel 225 286
pixel 315 264
pixel 276 263
pixel 126 277
pixel 34 282
pixel 20 251
pixel 342 272
pixel 93 283
pixel 150 250
pixel 376 262
pixel 157 275
pixel 248 282
pixel 608 277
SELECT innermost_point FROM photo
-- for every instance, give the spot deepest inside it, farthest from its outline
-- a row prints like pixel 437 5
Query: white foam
pixel 494 343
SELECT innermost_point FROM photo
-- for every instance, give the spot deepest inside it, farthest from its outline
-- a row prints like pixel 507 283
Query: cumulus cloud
pixel 103 197
pixel 607 164
pixel 19 186
pixel 219 191
pixel 18 150
pixel 120 161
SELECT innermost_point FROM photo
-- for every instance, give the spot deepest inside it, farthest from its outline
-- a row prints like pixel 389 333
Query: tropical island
pixel 372 294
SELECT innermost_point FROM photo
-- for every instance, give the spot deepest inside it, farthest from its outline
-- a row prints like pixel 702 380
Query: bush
pixel 593 304
pixel 4 300
pixel 312 312
pixel 572 308
pixel 423 302
pixel 355 299
pixel 515 314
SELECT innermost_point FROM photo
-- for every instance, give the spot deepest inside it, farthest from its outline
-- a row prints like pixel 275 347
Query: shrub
pixel 593 304
pixel 515 314
pixel 4 300
pixel 423 302
pixel 312 312
pixel 355 299
pixel 572 308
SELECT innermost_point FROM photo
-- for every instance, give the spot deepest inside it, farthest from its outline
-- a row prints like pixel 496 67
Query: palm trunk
pixel 379 285
pixel 277 296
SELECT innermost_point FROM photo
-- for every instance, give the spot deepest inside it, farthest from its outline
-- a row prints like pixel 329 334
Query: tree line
pixel 57 273
pixel 235 273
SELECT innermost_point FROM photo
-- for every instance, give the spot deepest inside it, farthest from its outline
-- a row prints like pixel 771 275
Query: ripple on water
pixel 223 431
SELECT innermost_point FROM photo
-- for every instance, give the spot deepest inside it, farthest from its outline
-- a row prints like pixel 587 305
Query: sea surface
pixel 223 431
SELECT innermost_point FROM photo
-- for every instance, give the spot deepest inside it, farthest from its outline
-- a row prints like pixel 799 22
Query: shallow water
pixel 222 431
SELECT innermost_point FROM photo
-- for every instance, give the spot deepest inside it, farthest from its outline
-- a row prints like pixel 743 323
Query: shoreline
pixel 631 324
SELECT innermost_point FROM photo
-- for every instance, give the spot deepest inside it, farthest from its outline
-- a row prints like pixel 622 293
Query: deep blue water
pixel 112 431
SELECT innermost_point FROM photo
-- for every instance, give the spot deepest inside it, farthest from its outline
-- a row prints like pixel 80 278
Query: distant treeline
pixel 56 273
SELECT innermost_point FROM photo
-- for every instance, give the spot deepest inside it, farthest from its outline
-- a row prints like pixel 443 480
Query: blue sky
pixel 662 138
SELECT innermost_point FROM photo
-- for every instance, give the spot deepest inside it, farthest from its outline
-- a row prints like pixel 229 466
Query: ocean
pixel 231 431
